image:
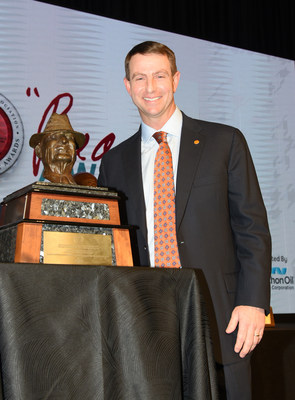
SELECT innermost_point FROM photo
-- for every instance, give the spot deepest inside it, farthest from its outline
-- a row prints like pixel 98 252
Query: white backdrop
pixel 51 55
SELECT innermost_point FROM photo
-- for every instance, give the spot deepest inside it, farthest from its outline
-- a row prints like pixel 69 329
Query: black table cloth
pixel 106 333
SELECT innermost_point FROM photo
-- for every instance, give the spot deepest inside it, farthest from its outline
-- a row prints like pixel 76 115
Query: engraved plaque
pixel 77 248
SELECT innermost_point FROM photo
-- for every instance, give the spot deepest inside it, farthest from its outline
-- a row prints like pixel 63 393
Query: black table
pixel 86 332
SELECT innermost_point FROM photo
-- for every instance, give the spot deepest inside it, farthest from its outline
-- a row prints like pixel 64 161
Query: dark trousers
pixel 234 380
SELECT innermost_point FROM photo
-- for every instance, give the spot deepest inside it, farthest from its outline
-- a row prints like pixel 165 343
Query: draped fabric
pixel 251 25
pixel 106 333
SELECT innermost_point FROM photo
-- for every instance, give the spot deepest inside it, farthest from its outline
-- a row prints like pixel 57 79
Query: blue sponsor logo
pixel 278 270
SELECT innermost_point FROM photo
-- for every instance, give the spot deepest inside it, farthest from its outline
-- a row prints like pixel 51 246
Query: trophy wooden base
pixel 63 224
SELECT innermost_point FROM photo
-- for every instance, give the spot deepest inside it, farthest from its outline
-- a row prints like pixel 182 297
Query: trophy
pixel 66 219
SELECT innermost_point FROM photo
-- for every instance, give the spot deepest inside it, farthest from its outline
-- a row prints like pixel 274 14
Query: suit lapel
pixel 132 165
pixel 191 148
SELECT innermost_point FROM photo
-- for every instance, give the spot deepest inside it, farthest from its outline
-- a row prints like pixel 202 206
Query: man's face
pixel 152 87
pixel 58 147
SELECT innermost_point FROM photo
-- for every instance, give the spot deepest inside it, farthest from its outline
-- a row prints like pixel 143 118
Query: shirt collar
pixel 173 127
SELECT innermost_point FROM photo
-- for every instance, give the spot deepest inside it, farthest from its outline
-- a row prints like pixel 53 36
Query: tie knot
pixel 160 136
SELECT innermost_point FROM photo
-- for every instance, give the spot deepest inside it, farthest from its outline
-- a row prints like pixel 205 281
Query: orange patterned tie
pixel 166 250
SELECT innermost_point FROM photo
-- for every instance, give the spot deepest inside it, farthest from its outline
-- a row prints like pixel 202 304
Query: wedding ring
pixel 256 334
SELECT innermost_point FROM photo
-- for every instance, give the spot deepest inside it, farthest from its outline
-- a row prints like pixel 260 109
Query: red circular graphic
pixel 6 134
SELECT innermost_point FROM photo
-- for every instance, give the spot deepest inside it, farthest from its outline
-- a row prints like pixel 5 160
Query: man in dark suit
pixel 221 221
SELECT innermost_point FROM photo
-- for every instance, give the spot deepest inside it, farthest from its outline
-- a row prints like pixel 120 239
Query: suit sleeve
pixel 102 180
pixel 250 227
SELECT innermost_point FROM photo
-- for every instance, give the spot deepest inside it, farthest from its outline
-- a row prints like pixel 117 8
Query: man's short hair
pixel 150 47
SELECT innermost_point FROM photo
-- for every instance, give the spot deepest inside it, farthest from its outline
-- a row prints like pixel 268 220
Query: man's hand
pixel 251 321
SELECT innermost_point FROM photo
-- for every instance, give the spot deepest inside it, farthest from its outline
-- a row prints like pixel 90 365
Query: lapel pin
pixel 196 141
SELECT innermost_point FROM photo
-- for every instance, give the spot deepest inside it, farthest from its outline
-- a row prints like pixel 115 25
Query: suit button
pixel 144 248
pixel 181 242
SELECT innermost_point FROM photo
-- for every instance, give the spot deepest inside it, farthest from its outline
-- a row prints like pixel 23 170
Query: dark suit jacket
pixel 221 219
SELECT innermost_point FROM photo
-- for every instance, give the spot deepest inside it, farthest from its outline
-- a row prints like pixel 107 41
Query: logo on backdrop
pixel 11 134
pixel 281 279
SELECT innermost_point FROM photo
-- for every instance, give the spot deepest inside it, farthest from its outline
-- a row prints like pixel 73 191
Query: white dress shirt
pixel 149 147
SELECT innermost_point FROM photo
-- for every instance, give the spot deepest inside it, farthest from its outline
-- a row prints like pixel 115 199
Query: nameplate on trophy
pixel 77 248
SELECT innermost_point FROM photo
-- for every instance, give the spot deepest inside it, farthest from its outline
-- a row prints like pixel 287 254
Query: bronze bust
pixel 56 147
